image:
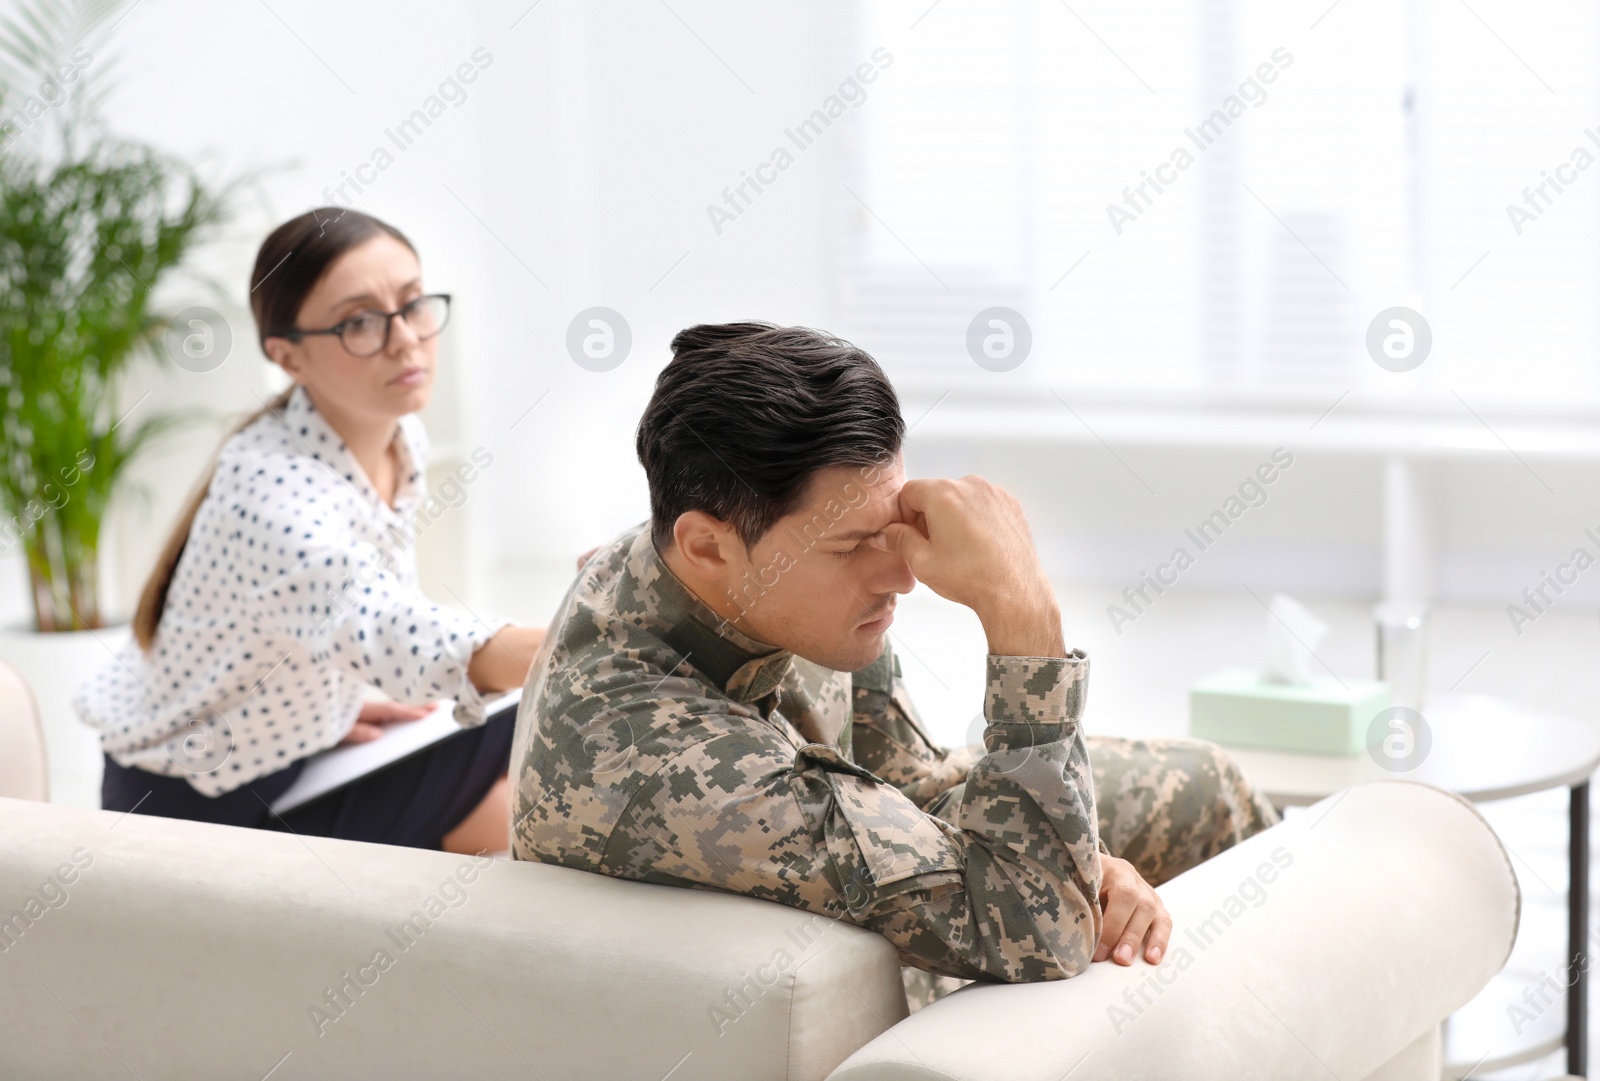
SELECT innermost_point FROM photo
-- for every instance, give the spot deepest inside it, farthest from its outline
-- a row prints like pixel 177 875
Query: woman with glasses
pixel 288 593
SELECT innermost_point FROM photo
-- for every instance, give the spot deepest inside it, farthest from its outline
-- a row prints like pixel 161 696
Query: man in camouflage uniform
pixel 712 710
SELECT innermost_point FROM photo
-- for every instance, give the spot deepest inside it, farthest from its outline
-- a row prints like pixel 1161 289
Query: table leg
pixel 1578 931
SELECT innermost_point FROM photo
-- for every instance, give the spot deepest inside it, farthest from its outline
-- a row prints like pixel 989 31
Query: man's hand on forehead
pixel 969 542
pixel 884 510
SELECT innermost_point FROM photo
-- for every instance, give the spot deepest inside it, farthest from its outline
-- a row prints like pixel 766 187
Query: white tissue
pixel 1292 637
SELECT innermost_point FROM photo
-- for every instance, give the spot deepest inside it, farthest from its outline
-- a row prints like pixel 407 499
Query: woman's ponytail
pixel 153 598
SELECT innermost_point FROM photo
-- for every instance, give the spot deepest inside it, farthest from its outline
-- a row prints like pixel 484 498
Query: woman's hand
pixel 374 715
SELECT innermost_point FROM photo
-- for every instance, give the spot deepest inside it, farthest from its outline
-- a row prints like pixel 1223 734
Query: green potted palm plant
pixel 90 228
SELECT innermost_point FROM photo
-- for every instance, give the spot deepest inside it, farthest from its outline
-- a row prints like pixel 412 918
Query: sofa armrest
pixel 1343 935
pixel 183 949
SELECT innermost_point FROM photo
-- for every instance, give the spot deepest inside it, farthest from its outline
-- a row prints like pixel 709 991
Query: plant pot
pixel 55 666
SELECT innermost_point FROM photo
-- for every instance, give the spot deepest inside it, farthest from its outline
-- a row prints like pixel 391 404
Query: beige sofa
pixel 1331 945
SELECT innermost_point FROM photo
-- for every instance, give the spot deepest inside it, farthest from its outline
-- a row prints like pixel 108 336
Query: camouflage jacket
pixel 657 742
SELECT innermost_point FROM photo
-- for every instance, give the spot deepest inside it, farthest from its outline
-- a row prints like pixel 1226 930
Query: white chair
pixel 24 767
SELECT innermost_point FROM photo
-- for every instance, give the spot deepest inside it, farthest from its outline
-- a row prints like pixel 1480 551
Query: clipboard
pixel 337 766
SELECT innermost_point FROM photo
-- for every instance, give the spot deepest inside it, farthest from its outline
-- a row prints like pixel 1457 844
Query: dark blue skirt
pixel 413 802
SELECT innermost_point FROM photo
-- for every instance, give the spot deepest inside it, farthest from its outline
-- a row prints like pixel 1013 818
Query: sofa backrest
pixel 182 949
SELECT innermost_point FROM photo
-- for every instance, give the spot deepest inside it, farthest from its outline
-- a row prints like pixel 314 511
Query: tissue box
pixel 1237 706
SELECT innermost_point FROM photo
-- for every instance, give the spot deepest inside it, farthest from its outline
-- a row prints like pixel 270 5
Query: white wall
pixel 575 173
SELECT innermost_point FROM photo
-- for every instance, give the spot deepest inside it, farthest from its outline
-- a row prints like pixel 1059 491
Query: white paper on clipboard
pixel 336 766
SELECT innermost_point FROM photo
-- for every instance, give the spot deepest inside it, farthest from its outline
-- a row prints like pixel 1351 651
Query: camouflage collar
pixel 744 668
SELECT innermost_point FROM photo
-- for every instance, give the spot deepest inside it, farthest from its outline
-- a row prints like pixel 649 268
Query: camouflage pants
pixel 1164 805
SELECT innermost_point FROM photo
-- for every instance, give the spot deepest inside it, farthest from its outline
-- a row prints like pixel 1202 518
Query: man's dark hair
pixel 745 413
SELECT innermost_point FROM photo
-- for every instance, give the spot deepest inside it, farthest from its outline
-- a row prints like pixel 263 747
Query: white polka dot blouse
pixel 297 590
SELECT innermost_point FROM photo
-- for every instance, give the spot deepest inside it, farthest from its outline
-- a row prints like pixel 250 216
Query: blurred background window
pixel 1217 196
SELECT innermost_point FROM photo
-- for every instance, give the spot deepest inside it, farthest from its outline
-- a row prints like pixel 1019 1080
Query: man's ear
pixel 705 543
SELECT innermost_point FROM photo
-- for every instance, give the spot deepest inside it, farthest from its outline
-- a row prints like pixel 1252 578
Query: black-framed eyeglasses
pixel 366 333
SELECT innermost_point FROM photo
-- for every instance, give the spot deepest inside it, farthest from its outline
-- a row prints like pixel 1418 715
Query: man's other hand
pixel 1134 915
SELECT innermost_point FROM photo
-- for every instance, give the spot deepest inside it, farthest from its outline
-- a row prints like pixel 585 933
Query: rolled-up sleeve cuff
pixel 1036 690
pixel 471 636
